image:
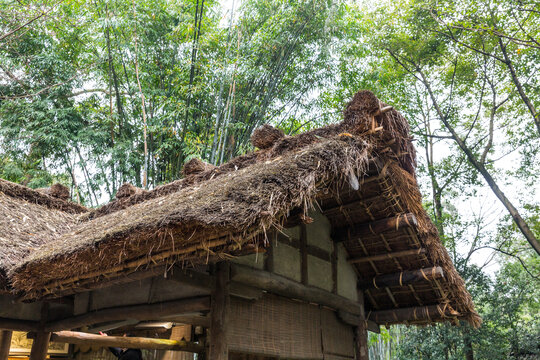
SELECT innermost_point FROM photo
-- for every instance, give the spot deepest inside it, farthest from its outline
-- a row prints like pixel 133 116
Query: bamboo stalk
pixel 81 338
pixel 402 278
pixel 387 256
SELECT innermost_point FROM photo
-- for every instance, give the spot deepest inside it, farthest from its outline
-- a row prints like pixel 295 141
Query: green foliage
pixel 71 111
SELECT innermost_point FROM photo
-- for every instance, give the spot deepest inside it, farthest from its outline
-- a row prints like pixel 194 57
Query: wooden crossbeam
pixel 375 227
pixel 139 312
pixel 18 325
pixel 386 256
pixel 402 278
pixel 383 110
pixel 280 285
pixel 419 313
pixel 81 338
pixel 354 320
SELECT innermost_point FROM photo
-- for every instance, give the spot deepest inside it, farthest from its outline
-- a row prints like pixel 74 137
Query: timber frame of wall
pixel 198 297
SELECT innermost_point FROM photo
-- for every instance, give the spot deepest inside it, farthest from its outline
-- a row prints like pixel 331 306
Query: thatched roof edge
pixel 32 196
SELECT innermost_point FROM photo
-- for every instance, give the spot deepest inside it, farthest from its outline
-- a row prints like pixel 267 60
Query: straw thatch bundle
pixel 229 210
pixel 29 218
pixel 33 196
pixel 126 190
pixel 57 190
pixel 406 189
pixel 25 226
pixel 356 122
pixel 266 136
pixel 196 166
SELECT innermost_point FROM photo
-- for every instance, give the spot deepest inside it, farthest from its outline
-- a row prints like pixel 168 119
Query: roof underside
pixel 229 210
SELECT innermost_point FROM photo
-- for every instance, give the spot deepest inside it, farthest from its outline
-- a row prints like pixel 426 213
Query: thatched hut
pixel 292 251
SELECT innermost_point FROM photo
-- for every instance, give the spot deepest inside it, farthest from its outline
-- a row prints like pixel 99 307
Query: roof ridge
pixel 27 194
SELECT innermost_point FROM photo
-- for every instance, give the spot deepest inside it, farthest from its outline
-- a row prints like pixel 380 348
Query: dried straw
pixel 231 206
pixel 196 166
pixel 25 226
pixel 32 196
pixel 406 187
pixel 264 137
pixel 126 190
pixel 57 191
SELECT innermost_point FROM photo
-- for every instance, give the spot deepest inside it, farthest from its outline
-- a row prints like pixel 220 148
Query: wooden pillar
pixel 219 312
pixel 361 341
pixel 179 333
pixel 40 346
pixel 5 343
pixel 361 332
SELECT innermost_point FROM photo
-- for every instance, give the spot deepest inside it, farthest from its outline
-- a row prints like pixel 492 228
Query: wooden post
pixel 82 338
pixel 361 333
pixel 219 312
pixel 5 343
pixel 179 333
pixel 303 254
pixel 40 346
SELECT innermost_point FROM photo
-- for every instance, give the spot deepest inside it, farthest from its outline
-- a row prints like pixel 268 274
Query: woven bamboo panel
pixel 337 337
pixel 275 326
pixel 337 357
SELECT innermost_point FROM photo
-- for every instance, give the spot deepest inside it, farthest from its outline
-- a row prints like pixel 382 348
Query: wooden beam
pixel 18 325
pixel 353 320
pixel 191 320
pixel 139 312
pixel 419 313
pixel 386 256
pixel 402 278
pixel 40 346
pixel 383 110
pixel 305 248
pixel 5 343
pixel 81 338
pixel 112 325
pixel 295 218
pixel 219 313
pixel 303 255
pixel 283 286
pixel 207 281
pixel 375 227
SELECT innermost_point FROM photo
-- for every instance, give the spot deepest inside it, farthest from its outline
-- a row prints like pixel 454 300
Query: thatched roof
pixel 29 218
pixel 358 171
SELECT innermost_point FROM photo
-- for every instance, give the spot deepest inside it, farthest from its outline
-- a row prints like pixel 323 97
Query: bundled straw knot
pixel 57 190
pixel 264 137
pixel 127 190
pixel 196 166
pixel 360 109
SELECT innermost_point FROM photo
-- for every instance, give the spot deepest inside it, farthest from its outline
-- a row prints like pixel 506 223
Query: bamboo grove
pixel 94 94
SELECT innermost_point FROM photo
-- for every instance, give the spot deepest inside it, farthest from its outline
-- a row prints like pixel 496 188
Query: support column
pixel 179 333
pixel 220 302
pixel 40 346
pixel 5 343
pixel 361 332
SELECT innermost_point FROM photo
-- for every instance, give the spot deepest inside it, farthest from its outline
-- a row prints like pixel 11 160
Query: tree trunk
pixel 522 225
pixel 519 87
